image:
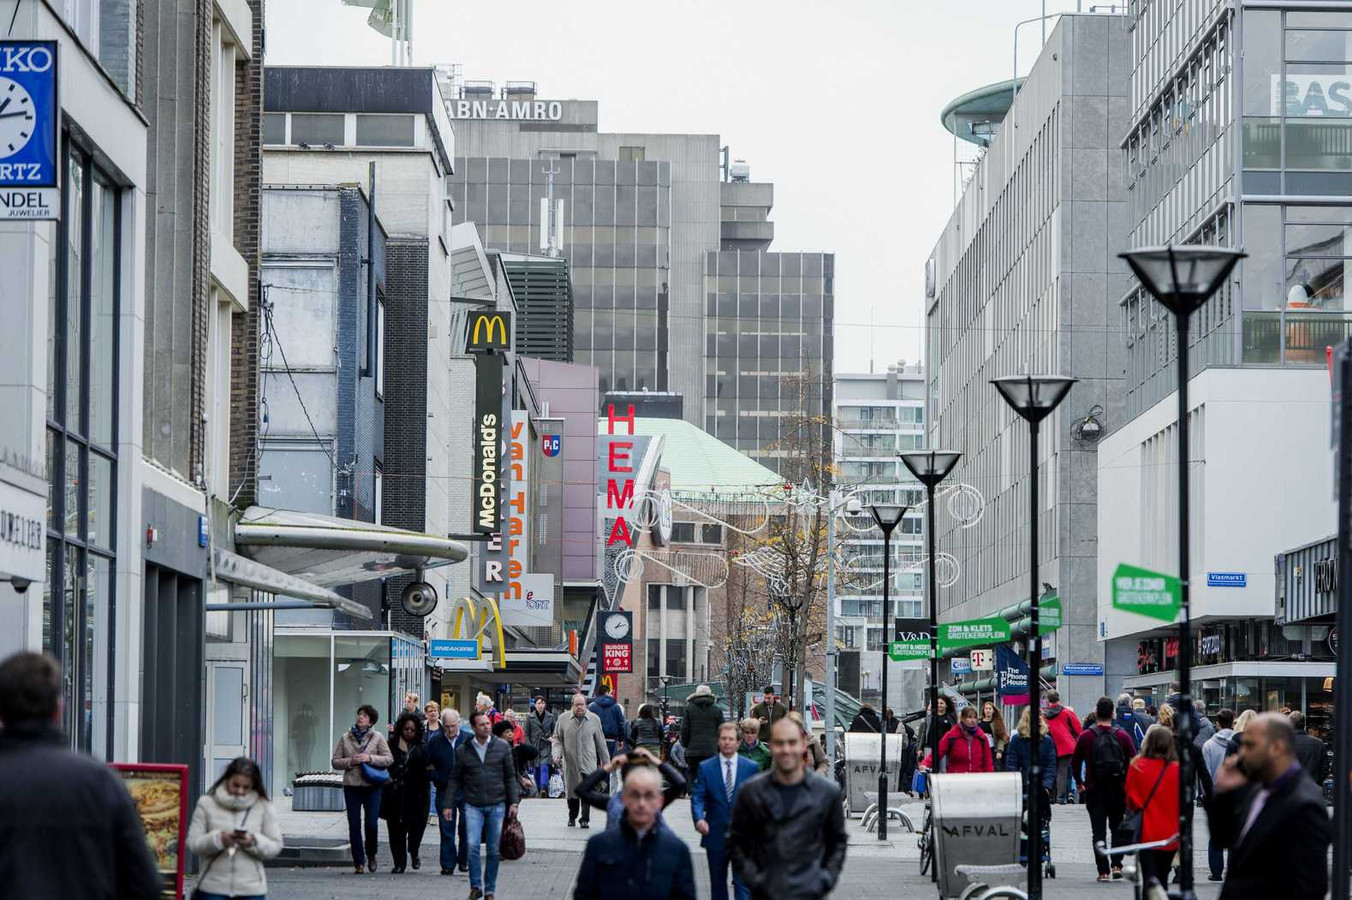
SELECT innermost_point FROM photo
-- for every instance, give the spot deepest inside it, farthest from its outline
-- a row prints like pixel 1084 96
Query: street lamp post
pixel 1182 279
pixel 1034 397
pixel 929 468
pixel 887 517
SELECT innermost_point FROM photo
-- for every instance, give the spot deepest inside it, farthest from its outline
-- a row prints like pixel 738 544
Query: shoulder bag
pixel 373 774
pixel 1129 832
pixel 512 844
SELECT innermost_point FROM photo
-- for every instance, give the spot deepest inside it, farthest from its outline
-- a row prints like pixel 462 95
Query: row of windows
pixel 566 167
pixel 338 129
pixel 585 205
pixel 877 444
pixel 1163 33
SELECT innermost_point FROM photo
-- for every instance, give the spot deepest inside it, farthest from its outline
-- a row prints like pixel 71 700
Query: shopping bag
pixel 513 843
pixel 556 786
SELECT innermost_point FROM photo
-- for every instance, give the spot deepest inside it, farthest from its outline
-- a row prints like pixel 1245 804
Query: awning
pixel 236 569
pixel 328 551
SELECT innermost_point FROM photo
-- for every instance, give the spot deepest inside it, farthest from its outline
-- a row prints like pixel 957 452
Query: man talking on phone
pixel 1271 818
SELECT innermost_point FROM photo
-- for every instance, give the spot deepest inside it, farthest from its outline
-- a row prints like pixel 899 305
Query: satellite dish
pixel 419 599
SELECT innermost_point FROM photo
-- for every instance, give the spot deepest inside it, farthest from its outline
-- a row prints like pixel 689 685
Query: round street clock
pixel 617 626
pixel 16 117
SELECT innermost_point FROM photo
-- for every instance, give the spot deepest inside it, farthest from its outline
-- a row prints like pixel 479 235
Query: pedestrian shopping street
pixel 873 868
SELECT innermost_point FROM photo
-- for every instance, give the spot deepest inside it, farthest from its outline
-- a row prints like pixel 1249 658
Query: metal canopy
pixel 236 569
pixel 328 551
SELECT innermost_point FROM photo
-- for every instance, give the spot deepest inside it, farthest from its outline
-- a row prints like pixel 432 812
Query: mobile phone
pixel 240 832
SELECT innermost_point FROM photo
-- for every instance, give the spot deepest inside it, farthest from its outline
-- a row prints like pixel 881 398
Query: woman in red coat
pixel 1152 786
pixel 965 748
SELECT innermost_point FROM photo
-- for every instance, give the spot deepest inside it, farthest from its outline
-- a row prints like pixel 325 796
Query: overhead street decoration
pixel 1146 593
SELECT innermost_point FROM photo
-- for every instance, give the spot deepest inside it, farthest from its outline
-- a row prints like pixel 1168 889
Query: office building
pixel 1022 280
pixel 877 416
pixel 1233 138
pixel 544 303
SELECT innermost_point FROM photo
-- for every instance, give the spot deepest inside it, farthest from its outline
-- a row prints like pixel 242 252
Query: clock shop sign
pixel 28 131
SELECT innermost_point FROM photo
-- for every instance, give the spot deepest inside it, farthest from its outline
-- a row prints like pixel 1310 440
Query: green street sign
pixel 973 632
pixel 901 651
pixel 1146 593
pixel 1049 615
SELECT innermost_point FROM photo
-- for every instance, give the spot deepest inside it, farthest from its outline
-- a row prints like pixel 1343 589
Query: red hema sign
pixel 617 657
pixel 620 480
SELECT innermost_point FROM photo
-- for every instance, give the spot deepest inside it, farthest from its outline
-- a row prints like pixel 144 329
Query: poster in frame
pixel 160 791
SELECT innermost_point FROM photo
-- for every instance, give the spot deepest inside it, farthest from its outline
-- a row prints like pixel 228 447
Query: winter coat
pixel 1016 759
pixel 943 724
pixel 619 864
pixel 677 754
pixel 68 827
pixel 1197 718
pixel 440 753
pixel 1310 753
pixel 646 733
pixel 583 747
pixel 1134 723
pixel 613 726
pixel 783 851
pixel 699 726
pixel 771 714
pixel 1216 749
pixel 1207 730
pixel 482 782
pixel 1064 728
pixel 406 796
pixel 345 756
pixel 964 752
pixel 539 730
pixel 1083 761
pixel 866 722
pixel 1160 819
pixel 239 874
pixel 758 753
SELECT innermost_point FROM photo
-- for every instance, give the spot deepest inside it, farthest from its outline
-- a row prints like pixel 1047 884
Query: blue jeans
pixel 718 877
pixel 358 799
pixel 484 823
pixel 542 779
pixel 449 855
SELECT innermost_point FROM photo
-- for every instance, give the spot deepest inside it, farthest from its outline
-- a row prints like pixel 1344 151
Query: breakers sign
pixel 539 110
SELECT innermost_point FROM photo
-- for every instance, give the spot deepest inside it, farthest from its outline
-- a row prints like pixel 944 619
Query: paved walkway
pixel 873 868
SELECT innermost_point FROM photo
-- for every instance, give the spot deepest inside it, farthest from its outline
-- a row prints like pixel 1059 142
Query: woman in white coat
pixel 234 830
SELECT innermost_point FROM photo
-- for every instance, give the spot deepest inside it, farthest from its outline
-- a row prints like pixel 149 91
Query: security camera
pixel 20 585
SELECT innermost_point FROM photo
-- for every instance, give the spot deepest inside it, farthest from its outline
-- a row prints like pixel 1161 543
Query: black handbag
pixel 1129 832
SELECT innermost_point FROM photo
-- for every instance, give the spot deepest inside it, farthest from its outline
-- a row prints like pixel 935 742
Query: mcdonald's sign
pixel 489 330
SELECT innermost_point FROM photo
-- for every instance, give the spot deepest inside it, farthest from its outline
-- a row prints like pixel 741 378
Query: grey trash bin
pixel 861 767
pixel 976 823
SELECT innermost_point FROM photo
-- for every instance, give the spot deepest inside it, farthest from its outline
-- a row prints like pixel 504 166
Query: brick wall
pixel 244 327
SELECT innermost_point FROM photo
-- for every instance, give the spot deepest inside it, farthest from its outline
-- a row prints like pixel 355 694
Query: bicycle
pixel 925 839
pixel 1132 873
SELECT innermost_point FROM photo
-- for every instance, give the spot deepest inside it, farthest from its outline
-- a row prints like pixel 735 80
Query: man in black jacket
pixel 485 778
pixel 637 859
pixel 68 827
pixel 787 837
pixel 1309 751
pixel 1271 817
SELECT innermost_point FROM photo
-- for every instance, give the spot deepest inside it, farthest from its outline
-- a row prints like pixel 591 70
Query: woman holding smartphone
pixel 234 830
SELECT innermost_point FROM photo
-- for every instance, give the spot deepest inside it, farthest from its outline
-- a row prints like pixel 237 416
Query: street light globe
pixel 930 466
pixel 1182 277
pixel 1033 396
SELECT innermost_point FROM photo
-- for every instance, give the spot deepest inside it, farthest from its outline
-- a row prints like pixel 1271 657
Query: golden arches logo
pixel 475 621
pixel 489 331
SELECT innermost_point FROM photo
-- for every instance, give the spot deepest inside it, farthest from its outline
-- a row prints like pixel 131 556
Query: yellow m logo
pixel 488 331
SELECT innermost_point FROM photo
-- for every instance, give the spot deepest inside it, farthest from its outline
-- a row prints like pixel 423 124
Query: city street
pixel 873 869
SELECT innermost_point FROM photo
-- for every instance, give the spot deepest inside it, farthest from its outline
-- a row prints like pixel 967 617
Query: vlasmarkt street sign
pixel 1146 593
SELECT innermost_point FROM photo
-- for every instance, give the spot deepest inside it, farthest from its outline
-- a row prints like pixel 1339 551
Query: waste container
pixel 976 823
pixel 861 766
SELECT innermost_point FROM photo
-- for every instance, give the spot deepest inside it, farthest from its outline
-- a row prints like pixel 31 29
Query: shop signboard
pixel 453 649
pixel 1146 593
pixel 1011 677
pixel 486 492
pixel 29 115
pixel 983 659
pixel 911 640
pixel 160 792
pixel 973 632
pixel 961 665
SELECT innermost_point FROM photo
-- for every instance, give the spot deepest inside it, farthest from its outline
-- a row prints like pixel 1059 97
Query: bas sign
pixel 28 128
pixel 1146 593
pixel 973 632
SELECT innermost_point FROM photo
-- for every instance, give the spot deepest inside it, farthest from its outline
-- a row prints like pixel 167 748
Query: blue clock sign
pixel 28 130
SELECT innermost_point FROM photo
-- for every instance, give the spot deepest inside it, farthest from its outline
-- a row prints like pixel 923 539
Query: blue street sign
pixel 29 115
pixel 453 649
pixel 1081 669
pixel 1227 579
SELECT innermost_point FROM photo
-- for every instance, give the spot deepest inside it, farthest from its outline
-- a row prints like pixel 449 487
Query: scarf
pixel 227 800
pixel 970 732
pixel 359 734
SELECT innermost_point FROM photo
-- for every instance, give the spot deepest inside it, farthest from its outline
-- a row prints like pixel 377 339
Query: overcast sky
pixel 835 102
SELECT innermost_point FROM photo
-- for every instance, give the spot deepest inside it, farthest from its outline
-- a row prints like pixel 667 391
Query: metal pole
pixel 1034 781
pixel 1183 709
pixel 882 732
pixel 934 643
pixel 1342 793
pixel 830 704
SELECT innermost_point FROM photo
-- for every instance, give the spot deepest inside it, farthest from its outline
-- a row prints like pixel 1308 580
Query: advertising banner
pixel 911 640
pixel 29 119
pixel 1011 677
pixel 160 792
pixel 617 658
pixel 486 492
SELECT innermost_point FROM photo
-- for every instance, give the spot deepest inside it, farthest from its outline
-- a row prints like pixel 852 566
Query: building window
pixel 274 128
pixel 632 154
pixel 384 130
pixel 380 347
pixel 683 532
pixel 711 534
pixel 875 640
pixel 317 129
pixel 654 656
pixel 676 658
pixel 82 426
pixel 378 497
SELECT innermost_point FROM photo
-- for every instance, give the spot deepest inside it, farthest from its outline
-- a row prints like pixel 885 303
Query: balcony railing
pixel 1293 337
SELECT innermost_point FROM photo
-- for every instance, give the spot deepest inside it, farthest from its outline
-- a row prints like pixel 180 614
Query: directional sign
pixel 912 640
pixel 1049 615
pixel 973 632
pixel 453 649
pixel 983 659
pixel 1146 593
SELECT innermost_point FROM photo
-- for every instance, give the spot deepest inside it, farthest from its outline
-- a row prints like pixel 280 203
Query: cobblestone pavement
pixel 873 868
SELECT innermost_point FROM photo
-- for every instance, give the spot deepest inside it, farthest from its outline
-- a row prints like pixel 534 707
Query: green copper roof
pixel 700 462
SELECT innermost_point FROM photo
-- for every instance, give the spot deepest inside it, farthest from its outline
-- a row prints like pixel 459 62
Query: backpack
pixel 1107 759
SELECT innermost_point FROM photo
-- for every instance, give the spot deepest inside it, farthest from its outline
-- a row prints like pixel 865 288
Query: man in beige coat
pixel 582 743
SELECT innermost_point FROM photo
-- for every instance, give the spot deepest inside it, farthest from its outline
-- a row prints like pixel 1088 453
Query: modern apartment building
pixel 1022 280
pixel 877 416
pixel 1234 137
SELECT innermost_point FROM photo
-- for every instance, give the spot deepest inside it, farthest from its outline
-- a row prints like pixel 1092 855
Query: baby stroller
pixel 1049 868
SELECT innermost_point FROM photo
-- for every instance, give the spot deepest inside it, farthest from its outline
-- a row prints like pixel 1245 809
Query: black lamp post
pixel 666 680
pixel 929 468
pixel 1182 279
pixel 1034 397
pixel 887 517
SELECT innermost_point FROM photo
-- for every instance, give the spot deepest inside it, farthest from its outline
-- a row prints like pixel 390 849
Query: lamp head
pixel 887 516
pixel 930 466
pixel 1033 396
pixel 1182 277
